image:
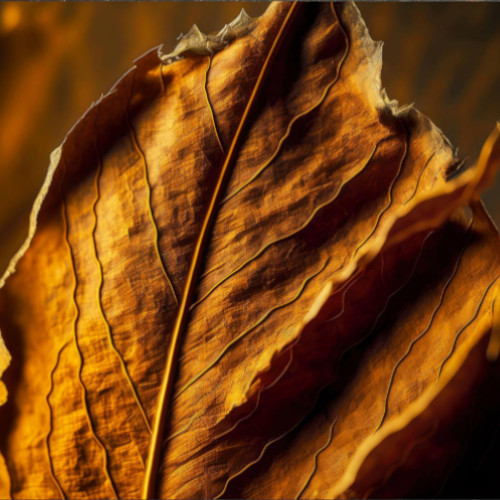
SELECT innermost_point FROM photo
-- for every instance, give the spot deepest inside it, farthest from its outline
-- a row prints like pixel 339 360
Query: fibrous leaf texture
pixel 250 274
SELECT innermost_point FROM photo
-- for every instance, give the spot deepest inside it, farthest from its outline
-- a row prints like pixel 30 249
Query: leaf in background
pixel 247 271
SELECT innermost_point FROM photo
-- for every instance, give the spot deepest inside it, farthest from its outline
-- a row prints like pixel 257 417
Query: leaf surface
pixel 247 271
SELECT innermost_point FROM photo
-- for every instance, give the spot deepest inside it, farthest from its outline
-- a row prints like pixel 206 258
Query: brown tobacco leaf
pixel 247 271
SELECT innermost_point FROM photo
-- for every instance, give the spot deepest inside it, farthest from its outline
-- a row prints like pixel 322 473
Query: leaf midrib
pixel 155 448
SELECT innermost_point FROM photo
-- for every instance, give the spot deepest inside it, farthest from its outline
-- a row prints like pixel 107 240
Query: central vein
pixel 164 397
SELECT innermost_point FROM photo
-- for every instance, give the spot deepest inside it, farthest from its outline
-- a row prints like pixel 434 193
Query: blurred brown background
pixel 56 58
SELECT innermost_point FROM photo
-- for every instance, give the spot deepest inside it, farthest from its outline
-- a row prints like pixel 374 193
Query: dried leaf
pixel 249 275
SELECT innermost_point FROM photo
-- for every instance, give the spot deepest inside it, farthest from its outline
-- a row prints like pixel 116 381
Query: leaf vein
pixel 51 424
pixel 316 455
pixel 455 340
pixel 210 107
pixel 292 122
pixel 238 422
pixel 149 205
pixel 190 284
pixel 109 333
pixel 77 346
pixel 389 202
pixel 270 443
pixel 245 332
pixel 426 329
pixel 419 178
pixel 289 235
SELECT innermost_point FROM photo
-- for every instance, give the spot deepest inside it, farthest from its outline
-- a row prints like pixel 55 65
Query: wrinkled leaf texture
pixel 251 275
